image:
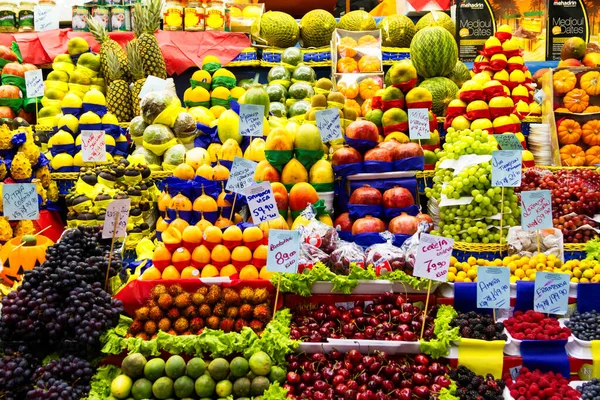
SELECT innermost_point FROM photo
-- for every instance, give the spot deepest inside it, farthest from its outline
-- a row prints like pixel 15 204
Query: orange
pixel 200 256
pixel 179 224
pixel 181 258
pixel 209 271
pixel 171 273
pixel 220 256
pixel 192 237
pixel 232 236
pixel 212 236
pixel 259 258
pixel 171 238
pixel 229 270
pixel 151 274
pixel 189 273
pixel 223 222
pixel 249 272
pixel 241 256
pixel 161 257
pixel 203 224
pixel 252 237
pixel 264 274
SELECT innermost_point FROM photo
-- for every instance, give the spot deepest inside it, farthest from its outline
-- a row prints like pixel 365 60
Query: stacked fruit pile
pixel 14 100
pixel 389 317
pixel 208 252
pixel 533 325
pixel 155 378
pixel 575 200
pixel 177 312
pixel 477 326
pixel 477 219
pixel 532 384
pixel 357 376
pixel 290 89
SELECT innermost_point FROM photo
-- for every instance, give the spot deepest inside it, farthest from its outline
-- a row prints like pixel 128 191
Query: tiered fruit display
pixel 14 100
pixel 291 87
pixel 575 195
pixel 389 317
pixel 21 254
pixel 575 52
pixel 478 326
pixel 360 376
pixel 543 385
pixel 463 222
pixel 533 325
pixel 177 312
pixel 174 378
pixel 208 252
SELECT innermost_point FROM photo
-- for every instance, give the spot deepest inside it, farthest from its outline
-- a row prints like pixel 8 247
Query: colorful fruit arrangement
pixel 478 326
pixel 177 312
pixel 533 325
pixel 360 376
pixel 174 378
pixel 15 103
pixel 389 317
pixel 358 56
pixel 537 384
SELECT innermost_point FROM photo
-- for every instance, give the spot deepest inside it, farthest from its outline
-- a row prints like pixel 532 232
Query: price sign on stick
pixel 418 123
pixel 241 175
pixel 284 248
pixel 119 227
pixel 93 146
pixel 493 287
pixel 261 202
pixel 328 123
pixel 45 18
pixel 551 293
pixel 508 141
pixel 34 83
pixel 20 201
pixel 433 257
pixel 251 119
pixel 536 210
pixel 506 168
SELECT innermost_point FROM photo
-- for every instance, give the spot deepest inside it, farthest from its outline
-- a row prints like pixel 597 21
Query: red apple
pixel 569 62
pixel 427 219
pixel 346 155
pixel 379 154
pixel 366 195
pixel 343 222
pixel 404 224
pixel 368 224
pixel 393 146
pixel 408 150
pixel 397 197
pixel 363 130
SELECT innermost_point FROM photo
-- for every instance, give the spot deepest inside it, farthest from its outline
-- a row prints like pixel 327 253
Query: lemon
pixel 588 274
pixel 90 118
pixel 519 273
pixel 577 273
pixel 574 280
pixel 70 121
pixel 451 277
pixel 110 119
pixel 94 96
pixel 513 279
pixel 472 273
pixel 71 100
pixel 584 280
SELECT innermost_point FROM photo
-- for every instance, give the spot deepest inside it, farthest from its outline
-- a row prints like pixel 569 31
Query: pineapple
pixel 137 71
pixel 147 20
pixel 118 94
pixel 107 45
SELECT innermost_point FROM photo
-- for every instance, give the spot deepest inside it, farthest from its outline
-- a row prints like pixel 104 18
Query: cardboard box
pixel 568 18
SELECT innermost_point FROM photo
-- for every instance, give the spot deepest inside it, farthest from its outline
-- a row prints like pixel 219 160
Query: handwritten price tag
pixel 433 257
pixel 506 168
pixel 536 208
pixel 34 83
pixel 152 84
pixel 122 207
pixel 328 123
pixel 418 123
pixel 261 202
pixel 20 201
pixel 241 175
pixel 45 18
pixel 284 247
pixel 493 287
pixel 551 293
pixel 508 141
pixel 251 119
pixel 93 146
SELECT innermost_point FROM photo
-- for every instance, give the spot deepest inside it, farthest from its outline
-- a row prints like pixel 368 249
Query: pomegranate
pixel 368 224
pixel 346 155
pixel 397 197
pixel 410 150
pixel 363 130
pixel 394 147
pixel 379 154
pixel 427 219
pixel 403 224
pixel 366 195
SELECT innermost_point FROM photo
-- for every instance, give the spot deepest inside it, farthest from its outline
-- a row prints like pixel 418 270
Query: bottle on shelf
pixel 194 16
pixel 173 16
pixel 26 15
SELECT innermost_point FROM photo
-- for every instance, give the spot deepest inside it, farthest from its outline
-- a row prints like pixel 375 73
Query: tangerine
pixel 189 273
pixel 200 256
pixel 249 272
pixel 171 273
pixel 209 271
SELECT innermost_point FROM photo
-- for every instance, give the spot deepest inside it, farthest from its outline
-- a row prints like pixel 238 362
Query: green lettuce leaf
pixel 100 385
pixel 449 393
pixel 275 339
pixel 444 335
pixel 592 249
pixel 274 392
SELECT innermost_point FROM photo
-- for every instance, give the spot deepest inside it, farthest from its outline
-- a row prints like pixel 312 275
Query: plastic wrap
pixel 320 235
pixel 385 258
pixel 309 256
pixel 410 247
pixel 346 254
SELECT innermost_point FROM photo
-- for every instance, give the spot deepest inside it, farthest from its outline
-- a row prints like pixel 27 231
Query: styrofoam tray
pixel 401 287
pixel 576 351
pixel 383 175
pixel 363 287
pixel 514 347
pixel 388 346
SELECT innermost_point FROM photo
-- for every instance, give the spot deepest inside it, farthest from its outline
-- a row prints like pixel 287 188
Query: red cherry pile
pixel 388 317
pixel 354 376
pixel 540 386
pixel 533 325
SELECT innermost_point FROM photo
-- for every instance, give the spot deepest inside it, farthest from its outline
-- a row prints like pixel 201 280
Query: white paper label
pixel 116 206
pixel 93 146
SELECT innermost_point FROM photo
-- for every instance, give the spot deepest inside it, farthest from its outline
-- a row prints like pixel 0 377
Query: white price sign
pixel 261 202
pixel 114 224
pixel 34 83
pixel 433 257
pixel 418 123
pixel 93 146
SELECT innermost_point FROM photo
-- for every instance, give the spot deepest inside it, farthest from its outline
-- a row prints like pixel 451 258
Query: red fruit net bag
pixel 309 256
pixel 322 236
pixel 345 254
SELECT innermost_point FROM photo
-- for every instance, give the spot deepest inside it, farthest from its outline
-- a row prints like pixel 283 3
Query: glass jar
pixel 26 15
pixel 8 16
pixel 173 16
pixel 194 16
pixel 215 16
pixel 47 3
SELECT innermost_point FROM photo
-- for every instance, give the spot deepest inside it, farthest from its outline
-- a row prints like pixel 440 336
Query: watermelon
pixel 460 74
pixel 442 90
pixel 433 52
